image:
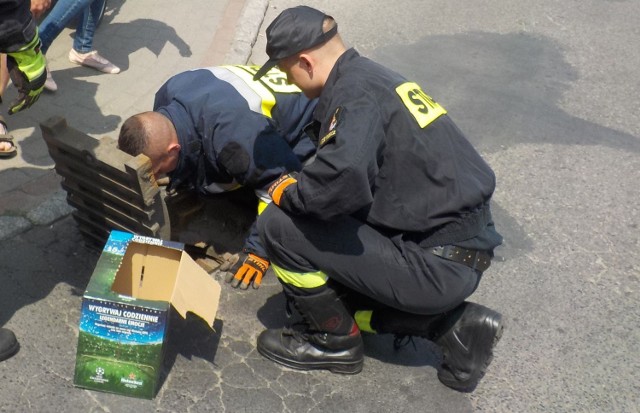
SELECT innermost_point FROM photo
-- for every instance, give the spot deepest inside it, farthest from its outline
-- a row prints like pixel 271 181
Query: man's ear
pixel 305 61
pixel 174 148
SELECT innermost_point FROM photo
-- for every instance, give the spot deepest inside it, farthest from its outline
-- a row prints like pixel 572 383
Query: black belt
pixel 475 259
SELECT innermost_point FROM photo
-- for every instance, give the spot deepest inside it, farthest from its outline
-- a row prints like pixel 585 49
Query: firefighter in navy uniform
pixel 215 130
pixel 389 229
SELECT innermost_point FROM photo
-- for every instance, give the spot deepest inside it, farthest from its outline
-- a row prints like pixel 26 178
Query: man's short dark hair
pixel 133 137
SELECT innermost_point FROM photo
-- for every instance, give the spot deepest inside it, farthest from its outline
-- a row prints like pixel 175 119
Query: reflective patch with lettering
pixel 421 106
pixel 274 79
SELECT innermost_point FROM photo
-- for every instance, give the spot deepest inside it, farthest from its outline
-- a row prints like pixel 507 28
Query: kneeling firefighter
pixel 389 229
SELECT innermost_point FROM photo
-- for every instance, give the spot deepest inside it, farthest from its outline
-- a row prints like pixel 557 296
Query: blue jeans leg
pixel 57 19
pixel 83 41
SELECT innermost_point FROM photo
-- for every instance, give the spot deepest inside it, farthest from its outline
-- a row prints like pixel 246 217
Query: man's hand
pixel 277 188
pixel 250 268
pixel 27 68
pixel 39 6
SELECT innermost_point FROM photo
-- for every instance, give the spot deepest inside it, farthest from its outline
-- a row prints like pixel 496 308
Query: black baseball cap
pixel 294 30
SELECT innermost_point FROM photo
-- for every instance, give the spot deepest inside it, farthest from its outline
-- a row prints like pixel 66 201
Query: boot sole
pixel 468 386
pixel 10 351
pixel 333 366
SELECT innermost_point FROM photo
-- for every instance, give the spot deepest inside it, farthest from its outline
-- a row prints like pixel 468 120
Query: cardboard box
pixel 125 312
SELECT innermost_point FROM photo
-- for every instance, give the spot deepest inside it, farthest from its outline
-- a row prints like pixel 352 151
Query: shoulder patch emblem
pixel 335 120
pixel 421 106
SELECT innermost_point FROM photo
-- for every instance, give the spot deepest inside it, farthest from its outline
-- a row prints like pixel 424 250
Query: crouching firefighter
pixel 389 229
pixel 214 130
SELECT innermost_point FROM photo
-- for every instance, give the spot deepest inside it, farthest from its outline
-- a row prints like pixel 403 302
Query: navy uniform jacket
pixel 391 156
pixel 235 131
pixel 17 26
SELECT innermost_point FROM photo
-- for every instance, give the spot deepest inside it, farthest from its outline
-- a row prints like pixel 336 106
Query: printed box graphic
pixel 125 312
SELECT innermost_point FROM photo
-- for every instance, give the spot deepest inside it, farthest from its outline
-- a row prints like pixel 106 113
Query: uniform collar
pixel 327 92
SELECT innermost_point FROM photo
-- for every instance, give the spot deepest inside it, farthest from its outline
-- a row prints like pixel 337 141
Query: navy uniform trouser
pixel 389 270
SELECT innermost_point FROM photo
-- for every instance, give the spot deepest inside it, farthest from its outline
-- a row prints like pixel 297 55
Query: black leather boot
pixel 330 340
pixel 8 344
pixel 467 338
pixel 466 334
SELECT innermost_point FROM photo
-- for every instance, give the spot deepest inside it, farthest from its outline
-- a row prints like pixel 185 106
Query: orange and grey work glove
pixel 276 190
pixel 27 69
pixel 245 270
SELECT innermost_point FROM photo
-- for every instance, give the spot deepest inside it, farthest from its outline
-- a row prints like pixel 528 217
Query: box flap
pixel 195 291
pixel 107 266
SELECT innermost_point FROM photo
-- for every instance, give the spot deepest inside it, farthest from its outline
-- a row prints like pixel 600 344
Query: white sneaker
pixel 93 60
pixel 50 84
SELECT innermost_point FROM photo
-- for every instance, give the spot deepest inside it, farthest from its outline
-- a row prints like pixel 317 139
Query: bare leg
pixel 4 73
pixel 4 80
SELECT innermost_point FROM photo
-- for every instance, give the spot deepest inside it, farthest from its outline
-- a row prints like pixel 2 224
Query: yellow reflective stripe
pixel 300 279
pixel 261 206
pixel 267 97
pixel 240 85
pixel 363 320
pixel 31 43
pixel 423 108
pixel 30 61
